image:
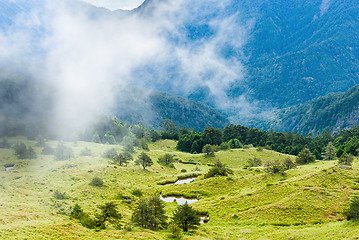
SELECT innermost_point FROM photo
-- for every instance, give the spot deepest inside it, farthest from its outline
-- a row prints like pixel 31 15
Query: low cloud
pixel 88 55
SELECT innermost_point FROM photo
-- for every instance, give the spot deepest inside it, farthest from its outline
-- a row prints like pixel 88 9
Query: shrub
pixel 219 169
pixel 208 150
pixel 96 182
pixel 183 170
pixel 254 162
pixel 224 146
pixel 60 195
pixel 166 160
pixel 137 192
pixel 288 164
pixel 274 166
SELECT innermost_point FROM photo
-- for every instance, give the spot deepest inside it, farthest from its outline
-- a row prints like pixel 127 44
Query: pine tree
pixel 186 217
pixel 144 160
pixel 150 213
pixel 329 152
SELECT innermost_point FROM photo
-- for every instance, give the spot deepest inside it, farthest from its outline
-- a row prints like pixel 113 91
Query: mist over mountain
pixel 246 59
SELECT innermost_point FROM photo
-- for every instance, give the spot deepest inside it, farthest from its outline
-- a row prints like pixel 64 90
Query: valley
pixel 303 203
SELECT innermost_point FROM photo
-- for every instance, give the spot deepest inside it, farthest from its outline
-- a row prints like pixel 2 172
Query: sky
pixel 116 4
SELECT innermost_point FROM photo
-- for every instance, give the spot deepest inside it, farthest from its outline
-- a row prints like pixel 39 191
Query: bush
pixel 288 164
pixel 97 182
pixel 60 195
pixel 183 170
pixel 274 166
pixel 224 146
pixel 137 192
pixel 219 169
pixel 254 162
pixel 259 149
pixel 208 150
pixel 166 160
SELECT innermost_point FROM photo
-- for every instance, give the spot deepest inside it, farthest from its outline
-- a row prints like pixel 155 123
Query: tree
pixel 346 159
pixel 166 160
pixel 20 150
pixel 31 153
pixel 330 152
pixel 144 160
pixel 212 136
pixel 186 217
pixel 108 213
pixel 208 150
pixel 218 169
pixel 150 213
pixel 274 166
pixel 62 152
pixel 305 157
pixel 353 211
pixel 122 158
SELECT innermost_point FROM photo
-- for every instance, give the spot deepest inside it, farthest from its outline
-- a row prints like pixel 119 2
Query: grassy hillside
pixel 305 203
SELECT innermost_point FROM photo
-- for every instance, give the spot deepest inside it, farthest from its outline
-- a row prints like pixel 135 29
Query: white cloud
pixel 87 56
pixel 116 4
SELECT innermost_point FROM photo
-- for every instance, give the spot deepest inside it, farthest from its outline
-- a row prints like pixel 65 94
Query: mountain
pixel 151 108
pixel 332 112
pixel 27 107
pixel 291 53
pixel 243 58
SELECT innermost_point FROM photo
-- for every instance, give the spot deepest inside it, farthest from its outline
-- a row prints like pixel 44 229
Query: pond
pixel 9 167
pixel 185 180
pixel 204 219
pixel 179 200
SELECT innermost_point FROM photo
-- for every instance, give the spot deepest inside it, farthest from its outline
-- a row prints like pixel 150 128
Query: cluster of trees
pixel 150 214
pixel 237 136
pixel 24 152
pixel 108 214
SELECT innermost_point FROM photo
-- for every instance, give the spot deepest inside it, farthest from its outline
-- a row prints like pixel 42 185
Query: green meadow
pixel 304 203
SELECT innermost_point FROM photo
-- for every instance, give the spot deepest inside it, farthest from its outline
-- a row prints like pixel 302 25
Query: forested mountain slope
pixel 332 112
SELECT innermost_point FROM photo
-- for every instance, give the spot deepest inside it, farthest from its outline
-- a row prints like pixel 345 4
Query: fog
pixel 90 55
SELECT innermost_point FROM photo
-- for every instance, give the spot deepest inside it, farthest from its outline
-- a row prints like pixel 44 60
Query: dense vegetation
pixel 332 112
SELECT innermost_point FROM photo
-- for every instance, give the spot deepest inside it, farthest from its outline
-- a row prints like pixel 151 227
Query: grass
pixel 305 203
